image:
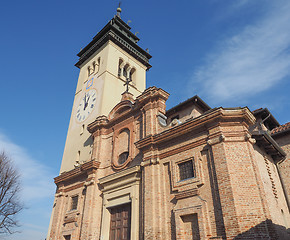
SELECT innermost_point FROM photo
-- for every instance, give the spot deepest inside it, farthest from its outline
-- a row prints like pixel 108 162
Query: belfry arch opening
pixel 120 67
pixel 125 71
pixel 132 76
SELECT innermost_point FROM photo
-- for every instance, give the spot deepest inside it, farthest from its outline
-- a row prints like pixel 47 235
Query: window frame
pixel 193 169
pixel 193 182
pixel 116 154
pixel 72 202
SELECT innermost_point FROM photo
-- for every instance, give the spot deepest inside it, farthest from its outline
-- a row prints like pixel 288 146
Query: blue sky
pixel 230 53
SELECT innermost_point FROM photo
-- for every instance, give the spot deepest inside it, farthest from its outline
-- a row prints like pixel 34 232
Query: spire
pixel 119 10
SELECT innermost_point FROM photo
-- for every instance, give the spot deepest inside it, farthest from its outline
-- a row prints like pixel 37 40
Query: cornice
pixel 212 117
pixel 152 93
pixel 110 32
pixel 83 169
pixel 263 139
pixel 119 175
pixel 100 122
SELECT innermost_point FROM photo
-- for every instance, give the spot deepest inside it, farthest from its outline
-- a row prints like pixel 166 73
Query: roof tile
pixel 281 128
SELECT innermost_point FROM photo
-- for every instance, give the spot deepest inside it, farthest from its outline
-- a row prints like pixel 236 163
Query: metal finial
pixel 119 10
pixel 127 84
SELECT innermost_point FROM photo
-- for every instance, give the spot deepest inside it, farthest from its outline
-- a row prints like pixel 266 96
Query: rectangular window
pixel 74 202
pixel 186 170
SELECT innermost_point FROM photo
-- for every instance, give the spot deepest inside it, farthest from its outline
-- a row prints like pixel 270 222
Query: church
pixel 132 169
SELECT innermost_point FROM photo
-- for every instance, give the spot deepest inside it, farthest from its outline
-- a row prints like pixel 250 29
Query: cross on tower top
pixel 127 84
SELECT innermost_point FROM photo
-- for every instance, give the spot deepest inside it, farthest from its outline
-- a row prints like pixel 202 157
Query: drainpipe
pixel 279 174
pixel 283 186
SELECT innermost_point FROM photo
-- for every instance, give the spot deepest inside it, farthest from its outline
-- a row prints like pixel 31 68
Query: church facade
pixel 133 170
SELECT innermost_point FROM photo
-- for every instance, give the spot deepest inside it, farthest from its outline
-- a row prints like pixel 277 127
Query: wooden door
pixel 120 222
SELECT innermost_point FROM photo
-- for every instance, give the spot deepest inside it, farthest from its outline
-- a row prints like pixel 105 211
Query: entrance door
pixel 120 222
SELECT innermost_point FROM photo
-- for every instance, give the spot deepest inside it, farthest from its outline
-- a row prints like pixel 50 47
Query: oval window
pixel 123 146
pixel 123 157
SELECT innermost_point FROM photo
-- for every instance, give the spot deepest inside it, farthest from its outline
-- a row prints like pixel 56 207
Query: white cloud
pixel 250 62
pixel 37 191
pixel 36 178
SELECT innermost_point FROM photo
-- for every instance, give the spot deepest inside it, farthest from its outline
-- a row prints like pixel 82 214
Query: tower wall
pixel 109 86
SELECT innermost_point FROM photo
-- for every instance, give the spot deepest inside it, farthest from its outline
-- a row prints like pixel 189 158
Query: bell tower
pixel 110 60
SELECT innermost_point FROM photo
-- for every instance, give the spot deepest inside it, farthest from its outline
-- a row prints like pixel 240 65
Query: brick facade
pixel 190 172
pixel 235 191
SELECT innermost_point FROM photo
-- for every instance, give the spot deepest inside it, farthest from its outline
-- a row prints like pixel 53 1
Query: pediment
pixel 121 109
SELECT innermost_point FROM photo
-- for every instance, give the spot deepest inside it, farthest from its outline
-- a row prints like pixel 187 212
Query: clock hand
pixel 85 102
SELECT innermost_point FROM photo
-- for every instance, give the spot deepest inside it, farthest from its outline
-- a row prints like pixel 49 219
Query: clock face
pixel 86 105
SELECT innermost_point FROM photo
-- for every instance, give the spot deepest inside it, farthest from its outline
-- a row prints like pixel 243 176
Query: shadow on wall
pixel 89 141
pixel 266 230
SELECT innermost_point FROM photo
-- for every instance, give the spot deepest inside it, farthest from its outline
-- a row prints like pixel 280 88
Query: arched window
pixel 94 67
pixel 132 76
pixel 125 71
pixel 123 146
pixel 120 67
pixel 97 65
pixel 90 70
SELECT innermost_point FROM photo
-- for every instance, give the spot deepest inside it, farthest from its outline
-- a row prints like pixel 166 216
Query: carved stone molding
pixel 216 140
pixel 59 194
pixel 88 183
pixel 186 194
pixel 249 138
